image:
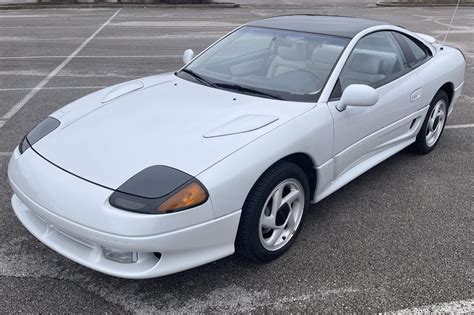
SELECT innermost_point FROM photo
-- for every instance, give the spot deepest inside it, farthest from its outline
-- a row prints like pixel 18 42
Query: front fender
pixel 230 180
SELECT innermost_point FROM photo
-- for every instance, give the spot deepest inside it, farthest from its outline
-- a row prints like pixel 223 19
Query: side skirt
pixel 331 179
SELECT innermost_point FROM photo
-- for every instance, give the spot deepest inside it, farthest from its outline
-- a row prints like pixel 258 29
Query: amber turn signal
pixel 190 196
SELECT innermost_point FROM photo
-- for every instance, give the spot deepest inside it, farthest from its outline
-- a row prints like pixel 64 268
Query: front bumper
pixel 180 249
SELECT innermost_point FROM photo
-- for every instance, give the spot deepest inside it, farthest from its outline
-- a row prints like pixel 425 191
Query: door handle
pixel 415 95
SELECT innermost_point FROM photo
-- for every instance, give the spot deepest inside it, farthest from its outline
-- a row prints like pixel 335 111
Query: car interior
pixel 294 65
pixel 301 64
pixel 376 57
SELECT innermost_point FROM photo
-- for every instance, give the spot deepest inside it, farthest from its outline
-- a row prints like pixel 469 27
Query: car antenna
pixel 451 23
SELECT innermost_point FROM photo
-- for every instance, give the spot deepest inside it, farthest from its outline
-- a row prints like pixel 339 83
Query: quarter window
pixel 375 60
pixel 416 52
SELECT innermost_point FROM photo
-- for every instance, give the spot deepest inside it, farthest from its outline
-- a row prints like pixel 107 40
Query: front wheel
pixel 433 125
pixel 273 213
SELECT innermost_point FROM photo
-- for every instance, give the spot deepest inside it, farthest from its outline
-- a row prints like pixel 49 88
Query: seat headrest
pixel 368 64
pixel 326 54
pixel 297 51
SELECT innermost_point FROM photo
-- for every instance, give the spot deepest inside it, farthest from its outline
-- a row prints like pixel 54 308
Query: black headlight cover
pixel 24 145
pixel 148 189
pixel 37 133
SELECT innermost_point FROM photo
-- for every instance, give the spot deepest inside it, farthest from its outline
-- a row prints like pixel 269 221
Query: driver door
pixel 361 133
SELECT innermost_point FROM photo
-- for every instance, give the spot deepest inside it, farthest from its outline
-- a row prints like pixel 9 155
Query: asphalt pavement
pixel 400 237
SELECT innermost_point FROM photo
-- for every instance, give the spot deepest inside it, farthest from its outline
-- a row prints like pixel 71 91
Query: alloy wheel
pixel 436 121
pixel 281 215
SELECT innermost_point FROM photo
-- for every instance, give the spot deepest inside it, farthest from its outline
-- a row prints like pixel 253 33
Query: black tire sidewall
pixel 253 208
pixel 420 144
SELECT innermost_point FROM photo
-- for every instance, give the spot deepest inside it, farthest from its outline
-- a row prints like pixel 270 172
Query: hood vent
pixel 122 89
pixel 241 124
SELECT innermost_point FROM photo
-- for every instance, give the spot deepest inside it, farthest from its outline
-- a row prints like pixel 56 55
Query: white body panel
pixel 362 155
pixel 227 140
pixel 101 144
pixel 314 131
pixel 354 124
pixel 447 66
pixel 87 222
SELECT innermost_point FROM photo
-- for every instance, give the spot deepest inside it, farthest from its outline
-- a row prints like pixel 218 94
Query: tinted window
pixel 376 60
pixel 284 64
pixel 416 51
pixel 242 45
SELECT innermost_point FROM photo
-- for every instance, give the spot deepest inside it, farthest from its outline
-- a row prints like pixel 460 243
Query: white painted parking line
pixel 459 126
pixel 5 153
pixel 34 16
pixel 47 26
pixel 55 88
pixel 457 307
pixel 194 35
pixel 45 81
pixel 76 57
pixel 175 23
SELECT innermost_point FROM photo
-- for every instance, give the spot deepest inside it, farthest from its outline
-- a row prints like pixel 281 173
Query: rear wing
pixel 428 38
pixel 432 41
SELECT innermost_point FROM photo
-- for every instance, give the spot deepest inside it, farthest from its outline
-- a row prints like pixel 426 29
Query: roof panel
pixel 330 25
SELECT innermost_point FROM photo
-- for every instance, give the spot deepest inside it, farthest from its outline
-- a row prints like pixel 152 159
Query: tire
pixel 261 224
pixel 433 125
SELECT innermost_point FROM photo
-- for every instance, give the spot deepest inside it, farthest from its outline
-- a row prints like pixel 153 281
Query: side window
pixel 415 51
pixel 375 60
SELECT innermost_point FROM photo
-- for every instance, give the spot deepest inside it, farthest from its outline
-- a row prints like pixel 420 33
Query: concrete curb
pixel 383 3
pixel 222 5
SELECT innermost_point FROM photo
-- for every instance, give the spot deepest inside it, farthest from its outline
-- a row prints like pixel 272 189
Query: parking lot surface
pixel 399 237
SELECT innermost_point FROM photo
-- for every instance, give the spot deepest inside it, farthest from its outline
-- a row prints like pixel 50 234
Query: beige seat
pixel 324 57
pixel 363 69
pixel 288 58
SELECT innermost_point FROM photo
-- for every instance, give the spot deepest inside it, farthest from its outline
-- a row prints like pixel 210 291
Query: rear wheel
pixel 273 213
pixel 433 124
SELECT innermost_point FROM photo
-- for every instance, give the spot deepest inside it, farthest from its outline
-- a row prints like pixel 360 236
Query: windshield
pixel 271 63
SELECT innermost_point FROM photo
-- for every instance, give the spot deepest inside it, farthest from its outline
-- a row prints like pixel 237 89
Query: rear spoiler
pixel 428 38
pixel 432 40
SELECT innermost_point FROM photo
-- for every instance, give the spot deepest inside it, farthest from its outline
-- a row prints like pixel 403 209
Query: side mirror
pixel 358 95
pixel 188 56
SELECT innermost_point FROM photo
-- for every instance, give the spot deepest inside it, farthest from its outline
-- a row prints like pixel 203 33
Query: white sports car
pixel 169 172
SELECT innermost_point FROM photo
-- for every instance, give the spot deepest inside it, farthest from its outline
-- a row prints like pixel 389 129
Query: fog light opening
pixel 120 256
pixel 157 255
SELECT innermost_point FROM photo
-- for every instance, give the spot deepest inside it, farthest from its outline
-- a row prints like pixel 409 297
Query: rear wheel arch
pixel 433 124
pixel 448 87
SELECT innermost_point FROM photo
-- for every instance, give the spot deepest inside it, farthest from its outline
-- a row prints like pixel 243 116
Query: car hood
pixel 111 135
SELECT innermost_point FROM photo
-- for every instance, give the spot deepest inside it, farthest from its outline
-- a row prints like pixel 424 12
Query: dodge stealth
pixel 165 173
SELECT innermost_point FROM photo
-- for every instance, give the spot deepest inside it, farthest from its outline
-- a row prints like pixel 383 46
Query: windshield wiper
pixel 198 77
pixel 228 86
pixel 244 89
